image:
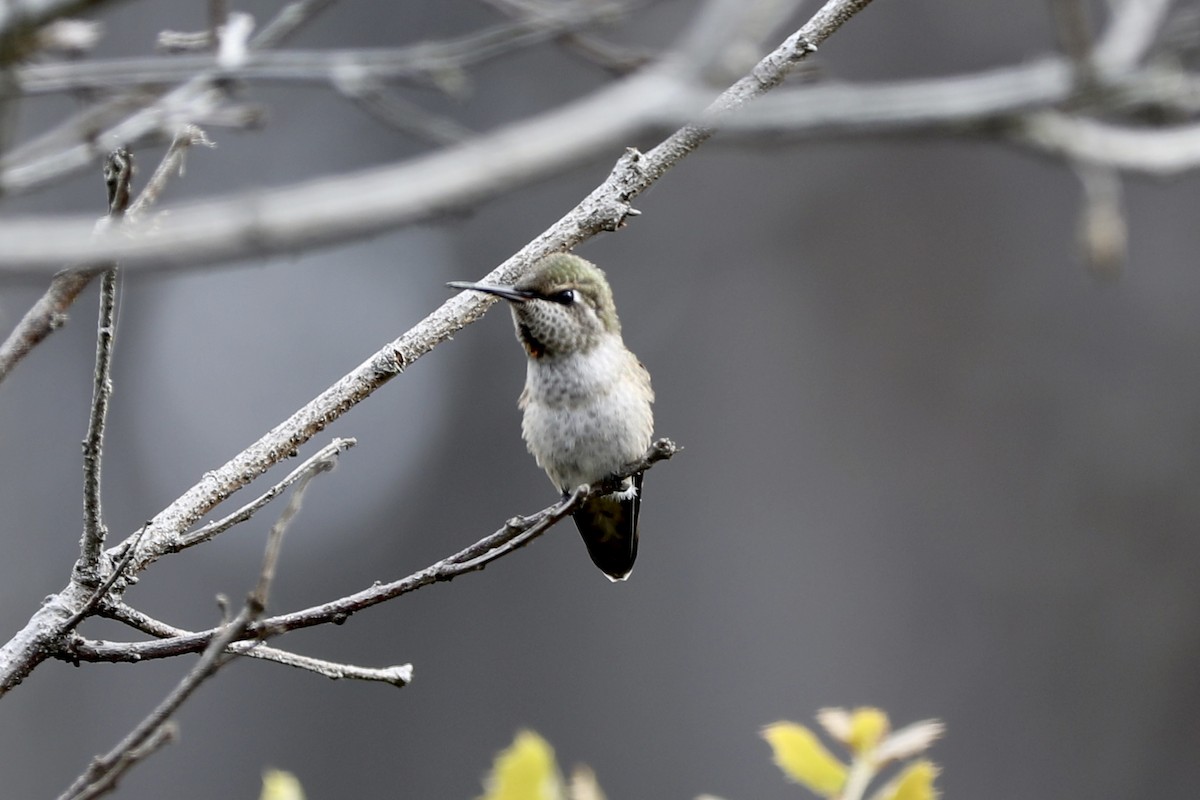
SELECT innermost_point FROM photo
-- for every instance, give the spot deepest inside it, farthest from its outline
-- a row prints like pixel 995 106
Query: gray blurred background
pixel 932 464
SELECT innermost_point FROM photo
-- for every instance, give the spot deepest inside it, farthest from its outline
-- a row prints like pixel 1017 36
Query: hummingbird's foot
pixel 620 488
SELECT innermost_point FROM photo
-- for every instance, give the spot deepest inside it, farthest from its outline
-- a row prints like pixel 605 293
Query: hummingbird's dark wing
pixel 609 527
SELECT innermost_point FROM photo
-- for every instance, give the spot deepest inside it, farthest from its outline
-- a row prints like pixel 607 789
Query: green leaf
pixel 915 782
pixel 802 757
pixel 526 770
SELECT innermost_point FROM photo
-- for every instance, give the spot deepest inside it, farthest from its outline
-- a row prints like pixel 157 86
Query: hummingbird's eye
pixel 566 297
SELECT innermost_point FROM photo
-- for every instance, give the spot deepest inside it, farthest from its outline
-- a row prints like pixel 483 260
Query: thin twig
pixel 373 96
pixel 516 533
pixel 1131 33
pixel 424 188
pixel 616 60
pixel 46 316
pixel 104 771
pixel 213 529
pixel 118 174
pixel 396 675
pixel 420 64
pixel 201 94
pixel 290 19
pixel 49 313
pixel 94 531
pixel 266 577
pixel 161 736
pixel 189 136
pixel 197 100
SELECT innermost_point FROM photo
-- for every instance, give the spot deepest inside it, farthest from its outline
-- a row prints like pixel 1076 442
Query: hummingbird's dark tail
pixel 609 527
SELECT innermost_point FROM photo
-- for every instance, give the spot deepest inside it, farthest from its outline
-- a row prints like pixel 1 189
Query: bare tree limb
pixel 516 533
pixel 373 96
pixel 1158 152
pixel 298 217
pixel 94 530
pixel 397 675
pixel 327 454
pixel 616 60
pixel 118 174
pixel 95 120
pixel 290 19
pixel 161 736
pixel 189 136
pixel 102 774
pixel 421 63
pixel 197 100
pixel 68 607
pixel 1017 104
pixel 1131 33
pixel 49 313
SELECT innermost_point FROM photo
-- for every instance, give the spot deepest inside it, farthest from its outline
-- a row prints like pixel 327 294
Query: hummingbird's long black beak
pixel 507 292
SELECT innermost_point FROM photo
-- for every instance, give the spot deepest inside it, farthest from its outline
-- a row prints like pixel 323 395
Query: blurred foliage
pixel 867 735
pixel 280 785
pixel 527 770
pixel 802 757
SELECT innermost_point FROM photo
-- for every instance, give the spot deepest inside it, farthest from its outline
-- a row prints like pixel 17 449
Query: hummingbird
pixel 586 400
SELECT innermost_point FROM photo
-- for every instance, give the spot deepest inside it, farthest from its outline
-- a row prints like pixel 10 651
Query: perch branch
pixel 516 533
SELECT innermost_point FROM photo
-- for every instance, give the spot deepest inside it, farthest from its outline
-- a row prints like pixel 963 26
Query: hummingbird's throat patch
pixel 532 346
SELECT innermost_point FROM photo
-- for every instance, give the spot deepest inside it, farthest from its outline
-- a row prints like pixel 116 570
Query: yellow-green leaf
pixel 802 757
pixel 524 771
pixel 280 785
pixel 915 782
pixel 867 727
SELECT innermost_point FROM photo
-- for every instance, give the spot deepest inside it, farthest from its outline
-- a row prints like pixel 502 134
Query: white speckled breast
pixel 587 414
